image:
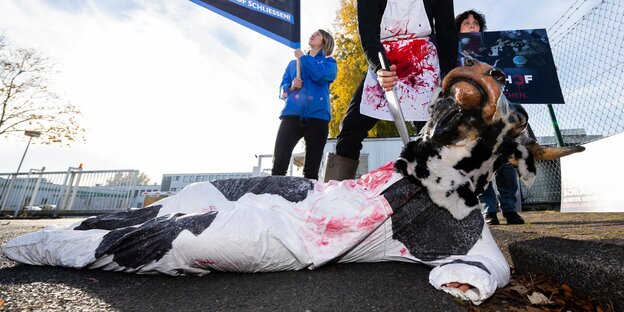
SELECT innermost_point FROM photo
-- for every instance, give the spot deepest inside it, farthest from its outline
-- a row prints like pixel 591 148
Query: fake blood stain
pixel 204 262
pixel 411 60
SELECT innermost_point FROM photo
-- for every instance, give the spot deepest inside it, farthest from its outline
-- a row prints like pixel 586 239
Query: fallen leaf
pixel 537 298
pixel 520 289
pixel 567 291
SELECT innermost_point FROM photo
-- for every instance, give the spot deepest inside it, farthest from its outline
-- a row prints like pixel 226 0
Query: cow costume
pixel 421 209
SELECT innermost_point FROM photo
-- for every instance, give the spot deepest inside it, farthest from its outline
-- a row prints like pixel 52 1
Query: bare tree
pixel 128 178
pixel 28 103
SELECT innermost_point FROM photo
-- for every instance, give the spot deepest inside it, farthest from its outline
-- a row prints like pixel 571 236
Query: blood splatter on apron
pixel 405 34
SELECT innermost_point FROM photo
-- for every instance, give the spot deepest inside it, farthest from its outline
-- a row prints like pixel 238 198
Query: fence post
pixel 36 189
pixel 553 119
pixel 69 181
pixel 133 181
pixel 20 198
pixel 61 201
pixel 75 188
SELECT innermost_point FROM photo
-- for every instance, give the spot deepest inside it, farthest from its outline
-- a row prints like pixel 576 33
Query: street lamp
pixel 6 191
pixel 31 134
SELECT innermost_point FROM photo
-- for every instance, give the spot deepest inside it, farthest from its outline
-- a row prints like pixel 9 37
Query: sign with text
pixel 524 56
pixel 276 19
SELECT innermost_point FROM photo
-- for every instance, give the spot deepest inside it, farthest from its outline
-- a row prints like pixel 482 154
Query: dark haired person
pixel 470 21
pixel 506 176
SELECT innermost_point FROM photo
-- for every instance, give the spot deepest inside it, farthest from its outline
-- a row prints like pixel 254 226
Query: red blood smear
pixel 373 220
pixel 335 226
pixel 409 59
pixel 377 178
pixel 204 262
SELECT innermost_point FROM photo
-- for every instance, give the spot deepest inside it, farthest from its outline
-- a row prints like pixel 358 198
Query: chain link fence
pixel 588 49
pixel 71 192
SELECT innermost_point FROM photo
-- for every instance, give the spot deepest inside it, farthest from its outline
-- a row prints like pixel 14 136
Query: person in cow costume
pixel 423 208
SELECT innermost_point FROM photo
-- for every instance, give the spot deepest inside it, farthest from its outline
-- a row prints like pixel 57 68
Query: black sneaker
pixel 491 219
pixel 513 218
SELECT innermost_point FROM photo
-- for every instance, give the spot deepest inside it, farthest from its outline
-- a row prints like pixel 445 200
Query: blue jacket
pixel 312 100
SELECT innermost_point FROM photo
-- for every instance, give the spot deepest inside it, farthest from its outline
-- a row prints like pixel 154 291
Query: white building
pixel 174 182
pixel 139 192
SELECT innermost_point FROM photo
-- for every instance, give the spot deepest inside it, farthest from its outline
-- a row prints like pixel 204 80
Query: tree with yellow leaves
pixel 352 67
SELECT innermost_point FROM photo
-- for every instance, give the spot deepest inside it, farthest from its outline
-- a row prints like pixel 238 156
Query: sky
pixel 167 86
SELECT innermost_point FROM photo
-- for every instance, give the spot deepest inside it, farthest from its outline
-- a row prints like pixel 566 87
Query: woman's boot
pixel 340 168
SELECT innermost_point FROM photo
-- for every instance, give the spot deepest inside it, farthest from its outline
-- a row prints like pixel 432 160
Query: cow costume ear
pixel 551 153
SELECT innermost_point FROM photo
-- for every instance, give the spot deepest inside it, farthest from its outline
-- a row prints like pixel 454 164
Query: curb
pixel 591 268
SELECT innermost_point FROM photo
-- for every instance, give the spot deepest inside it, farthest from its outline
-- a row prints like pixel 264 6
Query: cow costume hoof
pixel 421 209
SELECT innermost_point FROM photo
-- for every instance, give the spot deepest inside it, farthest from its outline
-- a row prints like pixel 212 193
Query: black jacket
pixel 444 33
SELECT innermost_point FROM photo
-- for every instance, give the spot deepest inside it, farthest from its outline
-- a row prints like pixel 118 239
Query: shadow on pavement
pixel 372 286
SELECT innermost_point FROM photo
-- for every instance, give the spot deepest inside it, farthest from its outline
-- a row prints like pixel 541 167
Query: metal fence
pixel 588 49
pixel 74 191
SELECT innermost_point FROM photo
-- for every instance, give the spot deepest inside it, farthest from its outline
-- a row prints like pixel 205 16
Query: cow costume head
pixel 473 130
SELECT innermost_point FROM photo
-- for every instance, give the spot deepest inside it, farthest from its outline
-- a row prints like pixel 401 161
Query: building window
pixel 177 178
pixel 173 189
pixel 185 179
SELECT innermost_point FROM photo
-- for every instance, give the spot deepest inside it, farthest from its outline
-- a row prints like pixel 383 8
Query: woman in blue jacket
pixel 306 113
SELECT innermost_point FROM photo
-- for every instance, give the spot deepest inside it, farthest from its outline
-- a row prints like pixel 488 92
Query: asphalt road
pixel 340 287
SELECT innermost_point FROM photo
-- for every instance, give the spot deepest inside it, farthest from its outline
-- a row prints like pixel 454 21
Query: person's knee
pixel 349 150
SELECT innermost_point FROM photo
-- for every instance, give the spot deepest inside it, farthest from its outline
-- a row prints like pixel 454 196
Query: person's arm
pixel 320 71
pixel 287 79
pixel 446 35
pixel 370 13
pixel 369 26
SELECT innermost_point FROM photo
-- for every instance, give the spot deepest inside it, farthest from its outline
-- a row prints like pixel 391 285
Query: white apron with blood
pixel 404 35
